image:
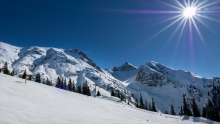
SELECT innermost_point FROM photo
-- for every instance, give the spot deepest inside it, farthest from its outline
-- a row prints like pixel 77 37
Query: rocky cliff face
pixel 150 77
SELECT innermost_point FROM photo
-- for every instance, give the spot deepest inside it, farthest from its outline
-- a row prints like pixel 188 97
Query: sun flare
pixel 189 12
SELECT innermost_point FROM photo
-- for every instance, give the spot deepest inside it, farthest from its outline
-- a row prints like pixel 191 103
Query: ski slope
pixel 38 103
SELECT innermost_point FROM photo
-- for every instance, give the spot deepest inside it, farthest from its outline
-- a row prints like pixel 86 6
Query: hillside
pixel 38 103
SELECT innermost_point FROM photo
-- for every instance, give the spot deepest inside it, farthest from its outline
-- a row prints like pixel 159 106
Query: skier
pixel 25 80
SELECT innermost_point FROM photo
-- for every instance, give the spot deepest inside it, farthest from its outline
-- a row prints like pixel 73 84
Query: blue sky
pixel 112 32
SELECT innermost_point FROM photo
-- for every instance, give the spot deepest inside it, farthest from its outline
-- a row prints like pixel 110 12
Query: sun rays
pixel 187 14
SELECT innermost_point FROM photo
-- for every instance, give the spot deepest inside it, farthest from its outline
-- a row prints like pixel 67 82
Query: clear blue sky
pixel 112 32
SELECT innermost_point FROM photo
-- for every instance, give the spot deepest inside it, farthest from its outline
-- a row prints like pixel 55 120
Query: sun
pixel 189 12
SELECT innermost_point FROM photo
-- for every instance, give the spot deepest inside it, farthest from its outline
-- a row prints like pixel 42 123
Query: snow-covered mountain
pixel 167 86
pixel 124 71
pixel 151 80
pixel 33 103
pixel 53 62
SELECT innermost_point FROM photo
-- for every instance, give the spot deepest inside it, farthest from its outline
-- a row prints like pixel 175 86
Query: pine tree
pixel 122 97
pixel 98 93
pixel 150 108
pixel 73 87
pixel 48 82
pixel 79 89
pixel 195 108
pixel 85 89
pixel 172 112
pixel 112 94
pixel 30 77
pixel 189 112
pixel 61 84
pixel 5 69
pixel 137 104
pixel 43 82
pixel 181 111
pixel 38 78
pixel 210 110
pixel 185 108
pixel 153 106
pixel 141 102
pixel 204 112
pixel 24 74
pixel 146 105
pixel 58 83
pixel 70 85
pixel 118 94
pixel 64 85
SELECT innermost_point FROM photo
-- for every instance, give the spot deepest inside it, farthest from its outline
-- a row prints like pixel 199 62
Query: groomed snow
pixel 38 103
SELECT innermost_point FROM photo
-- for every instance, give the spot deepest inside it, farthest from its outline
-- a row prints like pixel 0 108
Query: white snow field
pixel 41 104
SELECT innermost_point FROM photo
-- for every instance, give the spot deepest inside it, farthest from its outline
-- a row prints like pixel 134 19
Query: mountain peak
pixel 125 67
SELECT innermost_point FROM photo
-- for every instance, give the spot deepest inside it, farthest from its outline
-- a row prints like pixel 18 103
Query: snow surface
pixel 41 104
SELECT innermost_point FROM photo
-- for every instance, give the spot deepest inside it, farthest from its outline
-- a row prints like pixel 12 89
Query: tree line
pixel 60 82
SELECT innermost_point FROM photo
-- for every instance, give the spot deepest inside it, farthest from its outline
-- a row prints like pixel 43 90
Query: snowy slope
pixel 38 103
pixel 53 62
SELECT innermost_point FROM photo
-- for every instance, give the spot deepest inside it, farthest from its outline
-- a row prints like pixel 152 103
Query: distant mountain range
pixel 151 80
